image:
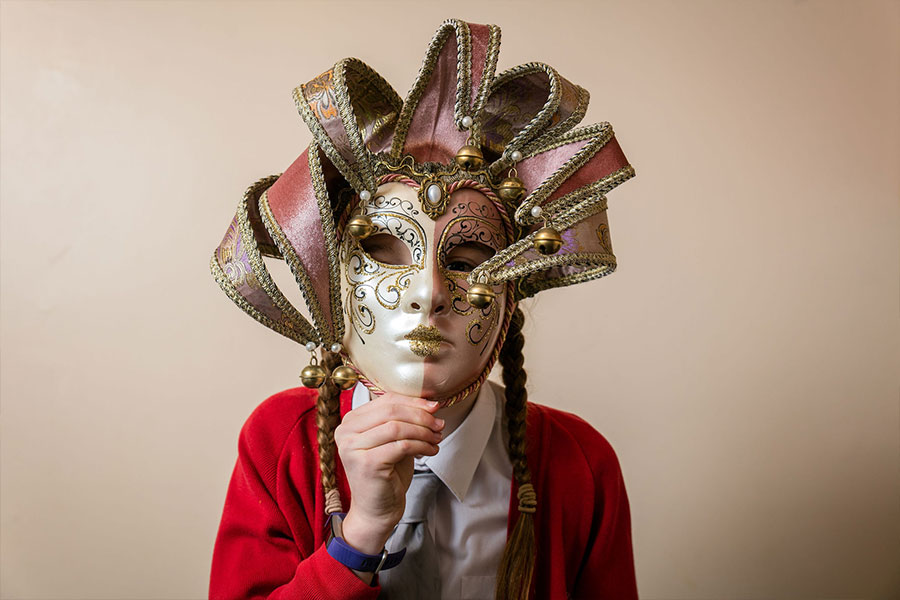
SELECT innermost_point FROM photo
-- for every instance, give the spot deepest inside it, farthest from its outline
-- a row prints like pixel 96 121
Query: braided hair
pixel 328 413
pixel 517 563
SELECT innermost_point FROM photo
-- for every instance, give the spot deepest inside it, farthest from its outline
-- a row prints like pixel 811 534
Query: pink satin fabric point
pixel 433 134
pixel 293 202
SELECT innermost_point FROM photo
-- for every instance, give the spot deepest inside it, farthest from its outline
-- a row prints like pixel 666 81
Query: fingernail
pixel 432 403
pixel 439 422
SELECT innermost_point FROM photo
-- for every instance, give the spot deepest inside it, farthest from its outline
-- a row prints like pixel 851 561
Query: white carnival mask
pixel 409 328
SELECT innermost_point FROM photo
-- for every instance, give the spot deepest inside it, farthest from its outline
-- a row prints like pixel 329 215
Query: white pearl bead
pixel 335 347
pixel 365 195
pixel 434 193
pixel 536 211
pixel 467 121
pixel 310 346
pixel 516 156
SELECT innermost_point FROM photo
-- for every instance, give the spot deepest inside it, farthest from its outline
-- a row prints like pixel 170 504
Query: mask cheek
pixel 481 323
pixel 456 290
pixel 481 326
pixel 375 322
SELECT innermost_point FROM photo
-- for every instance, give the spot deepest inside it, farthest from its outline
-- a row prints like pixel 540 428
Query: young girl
pixel 413 229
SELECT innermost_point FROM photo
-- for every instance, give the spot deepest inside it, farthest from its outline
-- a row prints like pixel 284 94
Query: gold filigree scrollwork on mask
pixel 483 229
pixel 368 279
pixel 433 180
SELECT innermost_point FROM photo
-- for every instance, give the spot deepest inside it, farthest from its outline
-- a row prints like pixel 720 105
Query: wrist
pixel 361 534
pixel 364 565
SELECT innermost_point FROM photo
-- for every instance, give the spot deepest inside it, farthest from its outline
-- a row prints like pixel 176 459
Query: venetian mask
pixel 409 328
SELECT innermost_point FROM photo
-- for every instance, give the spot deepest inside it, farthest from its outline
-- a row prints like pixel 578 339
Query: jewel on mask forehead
pixel 434 193
pixel 433 197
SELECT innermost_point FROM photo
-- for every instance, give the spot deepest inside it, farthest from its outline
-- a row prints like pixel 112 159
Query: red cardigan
pixel 270 540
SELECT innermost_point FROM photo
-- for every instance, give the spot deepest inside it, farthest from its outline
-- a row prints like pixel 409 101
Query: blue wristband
pixel 350 557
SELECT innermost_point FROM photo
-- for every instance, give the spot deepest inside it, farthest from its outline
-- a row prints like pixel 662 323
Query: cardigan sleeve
pixel 607 569
pixel 258 554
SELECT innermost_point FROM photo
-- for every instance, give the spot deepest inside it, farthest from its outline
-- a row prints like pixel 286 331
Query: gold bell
pixel 360 227
pixel 547 241
pixel 479 295
pixel 511 189
pixel 470 158
pixel 344 377
pixel 313 375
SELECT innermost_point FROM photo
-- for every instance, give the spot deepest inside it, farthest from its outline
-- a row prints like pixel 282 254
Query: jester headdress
pixel 522 121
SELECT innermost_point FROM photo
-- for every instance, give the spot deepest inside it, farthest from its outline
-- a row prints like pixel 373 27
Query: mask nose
pixel 426 293
pixel 418 295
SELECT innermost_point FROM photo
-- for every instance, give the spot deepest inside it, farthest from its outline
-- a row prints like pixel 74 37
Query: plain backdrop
pixel 744 361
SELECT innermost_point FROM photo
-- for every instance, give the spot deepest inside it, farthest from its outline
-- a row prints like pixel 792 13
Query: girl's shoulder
pixel 277 418
pixel 557 436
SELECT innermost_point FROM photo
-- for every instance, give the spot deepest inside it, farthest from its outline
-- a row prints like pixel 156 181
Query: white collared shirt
pixel 469 515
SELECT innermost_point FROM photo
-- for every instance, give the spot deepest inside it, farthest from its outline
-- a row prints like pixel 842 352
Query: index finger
pixel 400 409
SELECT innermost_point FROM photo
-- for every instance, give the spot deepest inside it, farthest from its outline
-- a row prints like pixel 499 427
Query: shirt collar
pixel 461 451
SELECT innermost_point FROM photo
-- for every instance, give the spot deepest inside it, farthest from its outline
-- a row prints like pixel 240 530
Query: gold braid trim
pixel 360 175
pixel 361 152
pixel 225 283
pixel 539 121
pixel 487 79
pixel 551 134
pixel 331 248
pixel 293 325
pixel 321 138
pixel 598 135
pixel 574 208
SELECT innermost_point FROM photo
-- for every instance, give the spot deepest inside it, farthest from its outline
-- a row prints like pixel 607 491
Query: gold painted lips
pixel 424 340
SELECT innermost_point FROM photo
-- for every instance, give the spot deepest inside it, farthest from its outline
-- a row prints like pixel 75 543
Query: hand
pixel 377 443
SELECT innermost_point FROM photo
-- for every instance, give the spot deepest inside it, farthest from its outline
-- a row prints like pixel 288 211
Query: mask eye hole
pixel 464 257
pixel 386 249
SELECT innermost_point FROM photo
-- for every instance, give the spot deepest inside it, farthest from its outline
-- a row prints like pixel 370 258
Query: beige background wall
pixel 743 361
